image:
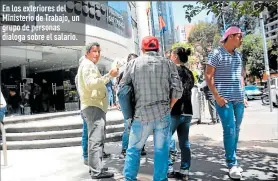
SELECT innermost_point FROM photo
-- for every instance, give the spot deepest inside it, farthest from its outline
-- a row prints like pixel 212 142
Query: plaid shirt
pixel 155 80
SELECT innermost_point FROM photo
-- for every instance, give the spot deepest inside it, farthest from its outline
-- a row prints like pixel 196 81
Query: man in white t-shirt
pixel 3 107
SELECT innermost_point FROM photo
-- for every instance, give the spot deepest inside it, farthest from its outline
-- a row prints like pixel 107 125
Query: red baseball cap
pixel 150 43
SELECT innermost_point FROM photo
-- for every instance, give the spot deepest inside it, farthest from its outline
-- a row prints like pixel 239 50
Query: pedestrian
pixel 173 147
pixel 157 87
pixel 225 79
pixel 3 109
pixel 94 105
pixel 211 104
pixel 127 122
pixel 84 141
pixel 181 113
pixel 109 87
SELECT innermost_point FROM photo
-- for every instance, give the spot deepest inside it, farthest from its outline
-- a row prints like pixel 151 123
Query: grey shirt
pixel 155 80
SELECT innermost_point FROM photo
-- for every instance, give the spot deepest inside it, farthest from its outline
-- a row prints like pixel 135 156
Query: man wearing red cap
pixel 157 87
pixel 224 76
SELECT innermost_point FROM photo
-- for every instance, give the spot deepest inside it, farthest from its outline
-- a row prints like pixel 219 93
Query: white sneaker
pixel 234 173
pixel 240 169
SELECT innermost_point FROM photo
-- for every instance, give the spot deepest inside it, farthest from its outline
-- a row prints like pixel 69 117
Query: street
pixel 257 154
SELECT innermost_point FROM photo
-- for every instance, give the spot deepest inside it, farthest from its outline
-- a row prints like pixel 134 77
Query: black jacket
pixel 184 105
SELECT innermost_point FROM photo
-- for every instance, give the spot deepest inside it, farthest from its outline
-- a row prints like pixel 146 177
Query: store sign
pixel 100 14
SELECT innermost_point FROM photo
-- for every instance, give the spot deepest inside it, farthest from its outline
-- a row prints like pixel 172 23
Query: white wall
pixel 142 19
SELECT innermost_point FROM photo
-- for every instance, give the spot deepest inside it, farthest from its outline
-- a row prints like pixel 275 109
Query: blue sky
pixel 178 11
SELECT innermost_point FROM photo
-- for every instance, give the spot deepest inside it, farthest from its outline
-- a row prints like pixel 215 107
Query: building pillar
pixel 142 20
pixel 23 71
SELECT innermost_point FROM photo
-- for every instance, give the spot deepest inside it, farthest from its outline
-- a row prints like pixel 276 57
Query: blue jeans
pixel 125 137
pixel 2 113
pixel 231 117
pixel 181 124
pixel 139 133
pixel 111 98
pixel 173 147
pixel 84 141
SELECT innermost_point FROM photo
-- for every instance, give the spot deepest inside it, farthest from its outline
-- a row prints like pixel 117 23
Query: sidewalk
pixel 66 164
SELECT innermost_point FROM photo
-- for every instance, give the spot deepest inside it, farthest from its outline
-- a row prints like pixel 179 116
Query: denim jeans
pixel 181 124
pixel 110 98
pixel 173 147
pixel 2 113
pixel 125 137
pixel 84 141
pixel 231 117
pixel 139 133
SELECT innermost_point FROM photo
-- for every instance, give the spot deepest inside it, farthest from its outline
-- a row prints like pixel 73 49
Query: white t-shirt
pixel 2 101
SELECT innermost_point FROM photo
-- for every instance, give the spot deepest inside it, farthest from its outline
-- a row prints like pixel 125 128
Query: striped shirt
pixel 155 80
pixel 228 74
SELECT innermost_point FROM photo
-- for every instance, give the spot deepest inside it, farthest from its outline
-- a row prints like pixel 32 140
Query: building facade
pixel 271 25
pixel 40 77
pixel 164 9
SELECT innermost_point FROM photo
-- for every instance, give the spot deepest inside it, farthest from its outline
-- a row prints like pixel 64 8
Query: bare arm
pixel 173 102
pixel 209 76
pixel 242 78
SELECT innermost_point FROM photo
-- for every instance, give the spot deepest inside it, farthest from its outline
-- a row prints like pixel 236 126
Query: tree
pixel 239 13
pixel 204 37
pixel 253 55
pixel 184 45
pixel 241 8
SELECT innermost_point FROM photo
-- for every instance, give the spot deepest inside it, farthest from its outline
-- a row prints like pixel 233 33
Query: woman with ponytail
pixel 181 114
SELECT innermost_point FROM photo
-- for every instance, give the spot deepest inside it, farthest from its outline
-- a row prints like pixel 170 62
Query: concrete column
pixel 142 20
pixel 23 71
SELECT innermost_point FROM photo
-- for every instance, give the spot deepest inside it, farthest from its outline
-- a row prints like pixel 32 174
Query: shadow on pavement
pixel 208 163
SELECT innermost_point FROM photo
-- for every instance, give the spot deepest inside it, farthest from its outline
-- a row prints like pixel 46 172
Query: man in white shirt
pixel 3 107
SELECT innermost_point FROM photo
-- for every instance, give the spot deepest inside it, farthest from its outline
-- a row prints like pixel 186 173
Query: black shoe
pixel 171 175
pixel 103 175
pixel 123 154
pixel 104 169
pixel 143 152
pixel 106 155
pixel 184 177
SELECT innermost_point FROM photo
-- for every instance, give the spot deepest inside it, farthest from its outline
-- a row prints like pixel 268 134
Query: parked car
pixel 252 92
pixel 274 91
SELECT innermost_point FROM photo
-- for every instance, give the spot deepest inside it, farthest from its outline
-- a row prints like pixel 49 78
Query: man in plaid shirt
pixel 157 87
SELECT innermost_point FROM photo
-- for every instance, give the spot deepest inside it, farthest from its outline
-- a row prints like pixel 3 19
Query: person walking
pixel 127 123
pixel 157 87
pixel 211 103
pixel 94 105
pixel 181 114
pixel 225 78
pixel 3 107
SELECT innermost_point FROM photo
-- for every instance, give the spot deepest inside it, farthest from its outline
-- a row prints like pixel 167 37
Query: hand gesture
pixel 114 72
pixel 221 101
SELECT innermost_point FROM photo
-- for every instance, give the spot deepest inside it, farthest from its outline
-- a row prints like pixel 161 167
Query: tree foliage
pixel 182 44
pixel 204 37
pixel 240 13
pixel 241 8
pixel 253 54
